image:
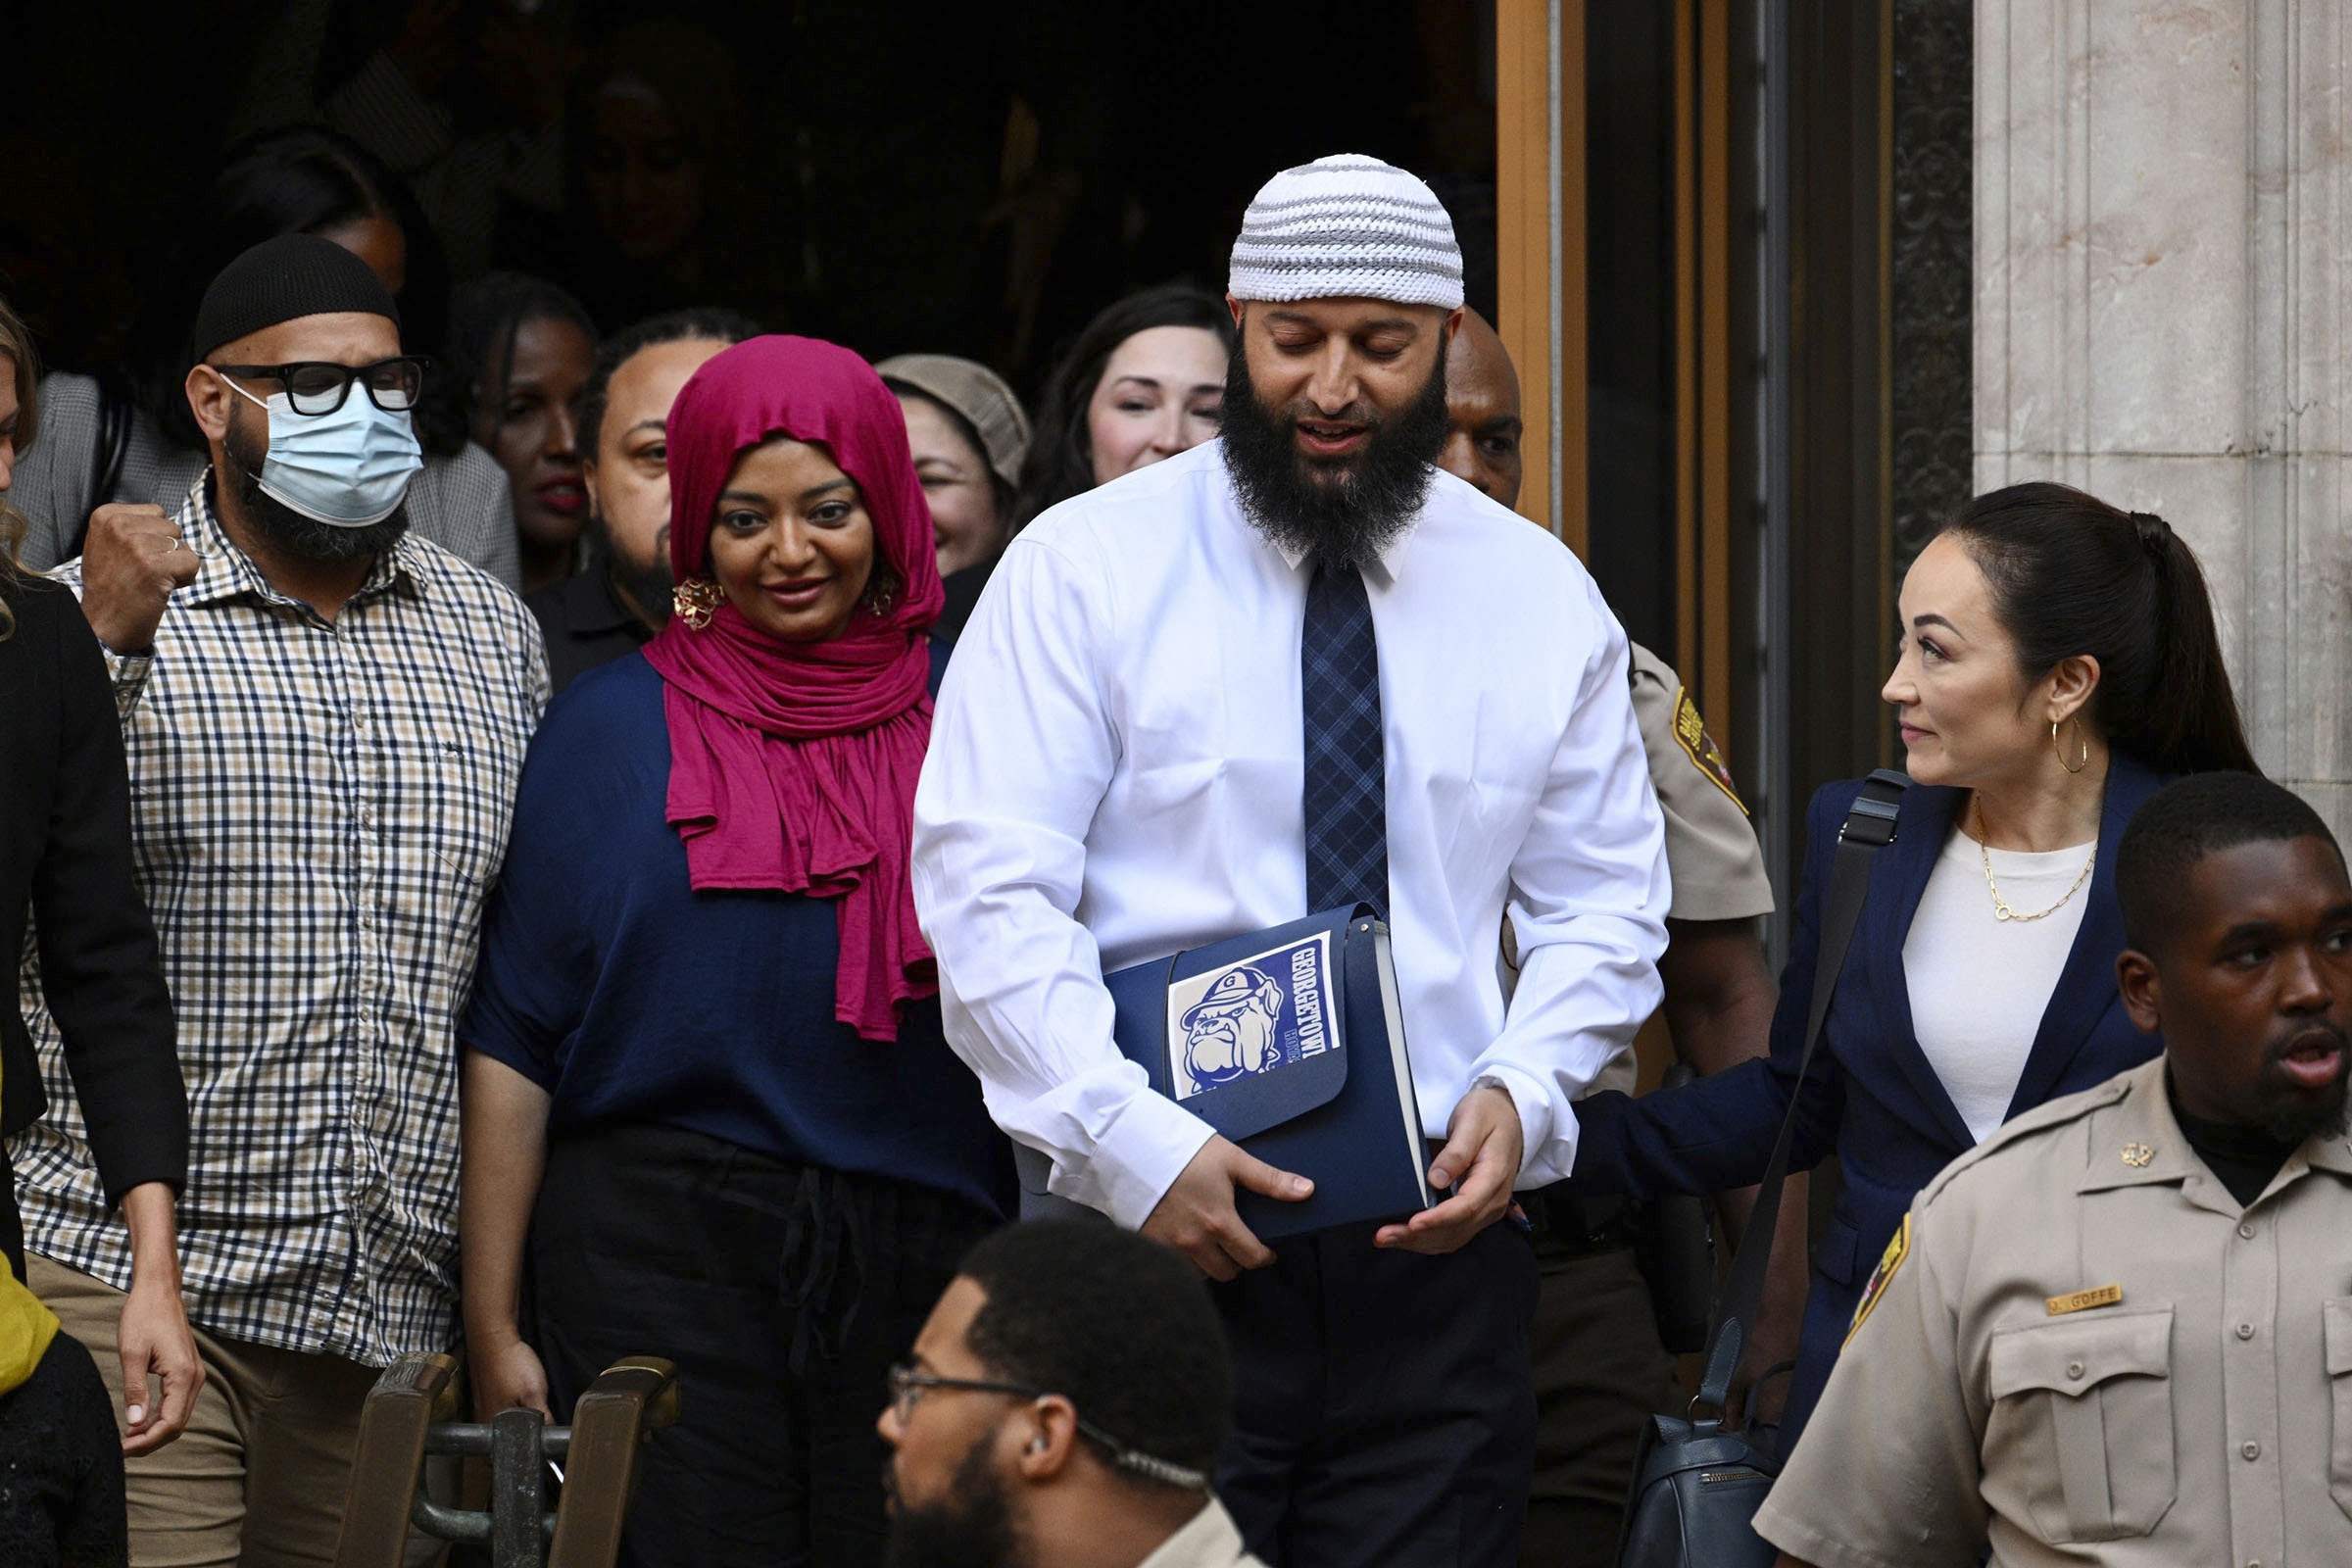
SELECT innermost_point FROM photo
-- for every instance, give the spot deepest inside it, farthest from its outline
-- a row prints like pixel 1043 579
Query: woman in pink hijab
pixel 709 1112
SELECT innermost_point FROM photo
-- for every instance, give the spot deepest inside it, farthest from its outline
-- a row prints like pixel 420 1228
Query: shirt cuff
pixel 1533 1099
pixel 1136 1159
pixel 129 672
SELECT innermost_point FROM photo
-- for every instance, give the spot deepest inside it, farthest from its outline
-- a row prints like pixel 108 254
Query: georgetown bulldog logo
pixel 1250 1017
pixel 1228 1034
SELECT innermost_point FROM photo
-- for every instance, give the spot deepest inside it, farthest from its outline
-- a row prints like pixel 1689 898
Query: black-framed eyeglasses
pixel 319 386
pixel 907 1385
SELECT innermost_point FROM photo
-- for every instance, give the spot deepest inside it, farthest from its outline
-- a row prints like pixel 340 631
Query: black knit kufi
pixel 282 279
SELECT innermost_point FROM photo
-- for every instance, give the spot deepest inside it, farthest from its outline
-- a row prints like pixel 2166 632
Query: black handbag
pixel 1697 1485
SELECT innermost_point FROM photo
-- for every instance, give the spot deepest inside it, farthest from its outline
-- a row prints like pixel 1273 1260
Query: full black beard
pixel 1344 510
pixel 304 538
pixel 971 1527
pixel 647 585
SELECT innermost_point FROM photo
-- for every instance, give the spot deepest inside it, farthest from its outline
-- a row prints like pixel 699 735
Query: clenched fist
pixel 132 561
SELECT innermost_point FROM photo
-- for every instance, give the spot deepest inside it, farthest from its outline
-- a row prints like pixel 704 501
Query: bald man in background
pixel 1599 1366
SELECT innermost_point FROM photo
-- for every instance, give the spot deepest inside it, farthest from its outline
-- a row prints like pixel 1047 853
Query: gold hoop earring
pixel 2083 739
pixel 694 599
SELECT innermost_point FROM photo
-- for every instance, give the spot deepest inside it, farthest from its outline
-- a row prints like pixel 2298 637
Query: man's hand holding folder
pixel 1196 1217
pixel 1481 1158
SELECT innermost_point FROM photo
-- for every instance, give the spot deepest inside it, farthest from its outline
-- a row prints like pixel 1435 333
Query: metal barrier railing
pixel 408 1416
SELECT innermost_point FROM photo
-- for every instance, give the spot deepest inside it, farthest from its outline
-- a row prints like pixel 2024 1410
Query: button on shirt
pixel 2199 1411
pixel 1116 774
pixel 318 810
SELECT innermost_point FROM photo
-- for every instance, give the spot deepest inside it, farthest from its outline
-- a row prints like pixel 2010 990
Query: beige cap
pixel 976 392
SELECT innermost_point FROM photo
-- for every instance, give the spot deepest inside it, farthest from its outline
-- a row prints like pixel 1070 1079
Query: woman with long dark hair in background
pixel 125 437
pixel 2058 665
pixel 1144 381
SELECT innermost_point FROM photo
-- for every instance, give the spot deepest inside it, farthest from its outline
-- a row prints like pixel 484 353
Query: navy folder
pixel 1290 1042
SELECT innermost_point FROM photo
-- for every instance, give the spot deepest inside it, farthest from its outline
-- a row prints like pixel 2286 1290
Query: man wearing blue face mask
pixel 325 716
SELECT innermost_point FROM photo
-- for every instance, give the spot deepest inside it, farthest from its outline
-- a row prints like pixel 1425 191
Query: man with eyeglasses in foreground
pixel 1064 1408
pixel 324 717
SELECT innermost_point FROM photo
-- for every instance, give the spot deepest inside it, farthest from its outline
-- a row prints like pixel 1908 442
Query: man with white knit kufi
pixel 1293 670
pixel 1346 226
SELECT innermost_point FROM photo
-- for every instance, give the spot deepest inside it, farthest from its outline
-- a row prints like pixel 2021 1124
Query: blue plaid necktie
pixel 1346 793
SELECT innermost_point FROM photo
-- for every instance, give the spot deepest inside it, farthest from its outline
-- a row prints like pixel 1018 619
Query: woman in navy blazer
pixel 2059 663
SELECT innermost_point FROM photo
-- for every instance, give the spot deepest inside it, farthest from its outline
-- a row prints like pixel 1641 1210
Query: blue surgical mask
pixel 347 468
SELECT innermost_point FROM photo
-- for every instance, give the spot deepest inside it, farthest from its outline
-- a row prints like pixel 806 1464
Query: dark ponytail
pixel 2071 575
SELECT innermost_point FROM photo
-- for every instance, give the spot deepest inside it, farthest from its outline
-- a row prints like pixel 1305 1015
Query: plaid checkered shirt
pixel 320 809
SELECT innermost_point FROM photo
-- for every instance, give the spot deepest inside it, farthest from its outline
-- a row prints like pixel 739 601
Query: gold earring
pixel 694 599
pixel 2080 737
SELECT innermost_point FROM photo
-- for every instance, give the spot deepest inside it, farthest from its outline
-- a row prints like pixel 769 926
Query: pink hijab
pixel 792 766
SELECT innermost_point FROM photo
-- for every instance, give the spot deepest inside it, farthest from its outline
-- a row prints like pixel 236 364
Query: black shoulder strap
pixel 1869 827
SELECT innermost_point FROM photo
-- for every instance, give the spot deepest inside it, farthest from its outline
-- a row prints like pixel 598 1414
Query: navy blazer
pixel 1872 1095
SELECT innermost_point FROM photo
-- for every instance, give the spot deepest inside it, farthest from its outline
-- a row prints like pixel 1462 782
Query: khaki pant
pixel 259 1476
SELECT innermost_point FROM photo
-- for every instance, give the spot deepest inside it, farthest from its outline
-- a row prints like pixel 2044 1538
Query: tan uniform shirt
pixel 1711 852
pixel 2080 1349
pixel 1209 1539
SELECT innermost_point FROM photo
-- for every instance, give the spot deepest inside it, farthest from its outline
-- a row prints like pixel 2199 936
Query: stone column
pixel 2164 289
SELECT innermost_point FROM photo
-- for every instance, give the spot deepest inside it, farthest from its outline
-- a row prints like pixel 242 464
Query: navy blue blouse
pixel 609 981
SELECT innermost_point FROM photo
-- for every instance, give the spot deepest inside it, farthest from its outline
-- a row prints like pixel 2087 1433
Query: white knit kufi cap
pixel 1350 226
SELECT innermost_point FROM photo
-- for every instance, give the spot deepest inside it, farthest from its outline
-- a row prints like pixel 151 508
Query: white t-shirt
pixel 1978 984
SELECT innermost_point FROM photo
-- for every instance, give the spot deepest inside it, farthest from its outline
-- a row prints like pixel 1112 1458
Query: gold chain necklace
pixel 2000 906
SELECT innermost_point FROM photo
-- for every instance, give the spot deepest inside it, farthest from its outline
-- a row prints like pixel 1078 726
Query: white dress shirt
pixel 1209 1539
pixel 1116 774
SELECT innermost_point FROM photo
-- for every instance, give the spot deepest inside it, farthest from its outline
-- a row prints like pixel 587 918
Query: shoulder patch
pixel 1691 733
pixel 1899 1248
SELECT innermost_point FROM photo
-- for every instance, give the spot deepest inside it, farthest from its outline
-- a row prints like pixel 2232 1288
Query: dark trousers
pixel 1599 1374
pixel 1385 1418
pixel 784 1293
pixel 61 1499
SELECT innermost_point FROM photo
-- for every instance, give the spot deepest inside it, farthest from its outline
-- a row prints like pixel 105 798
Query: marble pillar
pixel 2164 294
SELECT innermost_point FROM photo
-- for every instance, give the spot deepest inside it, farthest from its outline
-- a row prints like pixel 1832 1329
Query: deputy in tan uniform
pixel 1599 1367
pixel 2120 1330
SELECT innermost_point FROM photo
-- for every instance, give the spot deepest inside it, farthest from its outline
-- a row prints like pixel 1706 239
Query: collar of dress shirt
pixel 1383 567
pixel 229 574
pixel 1209 1539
